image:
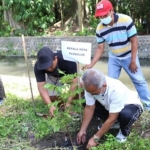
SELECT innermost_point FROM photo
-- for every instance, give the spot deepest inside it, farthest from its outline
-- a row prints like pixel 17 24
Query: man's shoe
pixel 120 137
pixel 116 125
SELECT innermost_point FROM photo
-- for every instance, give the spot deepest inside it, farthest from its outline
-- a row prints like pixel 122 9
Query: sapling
pixel 63 117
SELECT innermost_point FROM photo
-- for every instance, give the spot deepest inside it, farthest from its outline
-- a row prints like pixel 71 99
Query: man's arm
pixel 87 116
pixel 98 54
pixel 43 92
pixel 107 124
pixel 134 49
pixel 72 89
pixel 45 96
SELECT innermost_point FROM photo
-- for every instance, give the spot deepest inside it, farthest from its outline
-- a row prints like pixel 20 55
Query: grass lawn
pixel 21 129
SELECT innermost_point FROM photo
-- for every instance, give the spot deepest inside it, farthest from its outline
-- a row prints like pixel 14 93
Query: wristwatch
pixel 96 139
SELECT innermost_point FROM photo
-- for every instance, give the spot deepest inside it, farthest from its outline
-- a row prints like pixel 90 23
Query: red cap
pixel 103 7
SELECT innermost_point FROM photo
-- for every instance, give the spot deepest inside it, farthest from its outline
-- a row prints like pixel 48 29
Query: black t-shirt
pixel 68 67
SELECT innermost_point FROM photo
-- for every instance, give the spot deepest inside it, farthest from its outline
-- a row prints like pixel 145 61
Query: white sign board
pixel 76 51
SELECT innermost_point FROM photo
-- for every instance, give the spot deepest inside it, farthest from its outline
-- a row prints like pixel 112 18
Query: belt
pixel 122 55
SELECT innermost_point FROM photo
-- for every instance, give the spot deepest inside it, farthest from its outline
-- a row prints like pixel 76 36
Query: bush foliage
pixel 36 17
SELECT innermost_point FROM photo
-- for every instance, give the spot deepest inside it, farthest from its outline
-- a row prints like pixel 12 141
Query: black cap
pixel 45 58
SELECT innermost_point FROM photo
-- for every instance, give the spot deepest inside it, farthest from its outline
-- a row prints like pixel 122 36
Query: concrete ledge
pixel 33 44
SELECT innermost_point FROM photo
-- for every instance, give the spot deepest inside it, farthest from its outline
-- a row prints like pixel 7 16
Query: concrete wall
pixel 33 44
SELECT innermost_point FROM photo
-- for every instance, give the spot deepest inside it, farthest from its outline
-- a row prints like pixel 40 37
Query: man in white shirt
pixel 119 102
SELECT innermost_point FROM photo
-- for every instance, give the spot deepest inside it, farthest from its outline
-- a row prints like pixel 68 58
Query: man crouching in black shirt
pixel 46 71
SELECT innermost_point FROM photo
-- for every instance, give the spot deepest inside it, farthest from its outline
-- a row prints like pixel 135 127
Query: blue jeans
pixel 114 69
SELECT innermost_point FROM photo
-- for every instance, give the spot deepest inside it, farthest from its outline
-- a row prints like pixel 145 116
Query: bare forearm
pixel 72 89
pixel 107 124
pixel 88 114
pixel 45 96
pixel 98 54
pixel 104 129
pixel 134 48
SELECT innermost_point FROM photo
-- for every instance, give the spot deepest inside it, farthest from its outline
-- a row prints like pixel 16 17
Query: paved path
pixel 19 86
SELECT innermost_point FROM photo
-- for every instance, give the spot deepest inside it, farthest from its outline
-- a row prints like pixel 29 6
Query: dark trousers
pixel 128 115
pixel 2 91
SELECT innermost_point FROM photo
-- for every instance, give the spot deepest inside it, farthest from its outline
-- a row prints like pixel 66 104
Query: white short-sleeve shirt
pixel 116 96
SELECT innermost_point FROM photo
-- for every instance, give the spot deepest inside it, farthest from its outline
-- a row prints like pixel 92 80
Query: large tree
pixel 8 16
pixel 36 16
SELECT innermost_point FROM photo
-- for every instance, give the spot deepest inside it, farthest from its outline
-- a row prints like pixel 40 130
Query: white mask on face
pixel 99 97
pixel 101 94
pixel 106 20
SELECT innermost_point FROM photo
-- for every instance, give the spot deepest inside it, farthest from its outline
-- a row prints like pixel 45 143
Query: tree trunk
pixel 61 14
pixel 8 16
pixel 86 10
pixel 80 14
pixel 71 13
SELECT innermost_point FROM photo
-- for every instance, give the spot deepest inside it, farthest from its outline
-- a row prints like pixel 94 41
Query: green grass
pixel 19 126
pixel 18 121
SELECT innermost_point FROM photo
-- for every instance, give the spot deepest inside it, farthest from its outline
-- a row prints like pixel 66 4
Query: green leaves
pixel 63 116
pixel 35 16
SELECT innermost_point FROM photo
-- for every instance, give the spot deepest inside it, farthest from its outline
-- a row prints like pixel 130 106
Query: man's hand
pixel 51 111
pixel 81 137
pixel 98 54
pixel 91 143
pixel 133 67
pixel 87 67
